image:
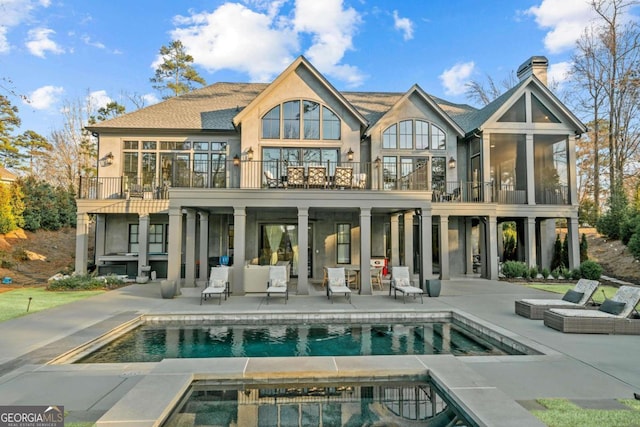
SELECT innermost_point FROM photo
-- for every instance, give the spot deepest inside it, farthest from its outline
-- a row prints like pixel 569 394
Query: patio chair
pixel 277 283
pixel 317 177
pixel 578 297
pixel 360 181
pixel 401 282
pixel 295 176
pixel 218 284
pixel 271 181
pixel 343 177
pixel 337 283
pixel 612 317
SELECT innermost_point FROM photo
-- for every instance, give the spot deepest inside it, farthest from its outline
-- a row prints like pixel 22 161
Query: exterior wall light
pixel 236 160
pixel 452 163
pixel 250 154
pixel 350 155
pixel 378 162
pixel 109 158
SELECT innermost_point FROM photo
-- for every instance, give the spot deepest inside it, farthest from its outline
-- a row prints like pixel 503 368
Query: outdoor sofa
pixel 576 298
pixel 615 316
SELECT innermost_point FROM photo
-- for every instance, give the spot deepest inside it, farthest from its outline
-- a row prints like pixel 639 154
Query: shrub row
pixel 84 283
pixel 587 270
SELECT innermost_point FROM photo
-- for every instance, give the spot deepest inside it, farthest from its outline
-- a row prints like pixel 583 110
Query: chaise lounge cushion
pixel 573 296
pixel 218 283
pixel 612 307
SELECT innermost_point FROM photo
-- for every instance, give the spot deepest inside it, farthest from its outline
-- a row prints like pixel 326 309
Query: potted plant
pixel 433 287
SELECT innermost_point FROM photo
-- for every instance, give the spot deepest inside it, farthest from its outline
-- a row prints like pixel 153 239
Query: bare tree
pixel 484 93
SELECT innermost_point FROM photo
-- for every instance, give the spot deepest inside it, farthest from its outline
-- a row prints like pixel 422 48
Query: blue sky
pixel 57 52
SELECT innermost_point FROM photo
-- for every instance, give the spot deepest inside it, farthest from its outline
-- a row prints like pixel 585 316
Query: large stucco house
pixel 296 171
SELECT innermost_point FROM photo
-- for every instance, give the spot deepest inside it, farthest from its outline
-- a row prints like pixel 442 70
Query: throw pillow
pixel 573 296
pixel 336 282
pixel 612 307
pixel 402 283
pixel 278 283
pixel 218 283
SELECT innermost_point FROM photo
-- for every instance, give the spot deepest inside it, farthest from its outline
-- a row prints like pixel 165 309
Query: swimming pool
pixel 157 339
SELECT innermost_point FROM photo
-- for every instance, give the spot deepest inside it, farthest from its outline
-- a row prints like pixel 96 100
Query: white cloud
pixel 455 78
pixel 98 99
pixel 150 99
pixel 4 43
pixel 12 14
pixel 39 42
pixel 87 40
pixel 565 19
pixel 43 98
pixel 404 25
pixel 263 41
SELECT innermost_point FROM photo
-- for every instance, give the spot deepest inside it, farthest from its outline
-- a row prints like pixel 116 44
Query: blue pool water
pixel 154 342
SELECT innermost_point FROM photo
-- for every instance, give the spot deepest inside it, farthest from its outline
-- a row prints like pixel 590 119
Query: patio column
pixel 530 241
pixel 204 246
pixel 573 243
pixel 303 254
pixel 427 246
pixel 174 256
pixel 190 249
pixel 408 240
pixel 143 241
pixel 395 241
pixel 101 229
pixel 468 245
pixel 572 181
pixel 531 182
pixel 239 252
pixel 492 248
pixel 444 247
pixel 365 251
pixel 82 242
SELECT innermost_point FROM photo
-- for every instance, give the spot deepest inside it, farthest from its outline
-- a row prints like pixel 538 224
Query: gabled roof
pixel 429 101
pixel 301 61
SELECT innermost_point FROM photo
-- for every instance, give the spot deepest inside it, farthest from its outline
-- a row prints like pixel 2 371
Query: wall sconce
pixel 250 154
pixel 236 160
pixel 109 158
pixel 452 163
pixel 350 155
pixel 378 162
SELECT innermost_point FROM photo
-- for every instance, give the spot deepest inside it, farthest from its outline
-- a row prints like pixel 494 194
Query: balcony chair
pixel 295 176
pixel 317 177
pixel 343 177
pixel 578 297
pixel 401 282
pixel 271 181
pixel 277 283
pixel 218 284
pixel 359 181
pixel 614 316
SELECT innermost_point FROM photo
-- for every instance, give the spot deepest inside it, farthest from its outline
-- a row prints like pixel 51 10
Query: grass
pixel 14 303
pixel 562 413
pixel 562 288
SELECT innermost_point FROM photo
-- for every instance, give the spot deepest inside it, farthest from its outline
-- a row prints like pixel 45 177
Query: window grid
pixel 343 240
pixel 134 230
pixel 301 119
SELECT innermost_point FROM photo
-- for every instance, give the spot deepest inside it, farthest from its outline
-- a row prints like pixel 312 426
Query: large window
pixel 134 242
pixel 343 240
pixel 157 238
pixel 301 119
pixel 414 134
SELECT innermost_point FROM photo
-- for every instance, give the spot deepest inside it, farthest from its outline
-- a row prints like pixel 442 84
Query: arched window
pixel 422 135
pixel 308 122
pixel 438 138
pixel 406 135
pixel 389 137
pixel 414 134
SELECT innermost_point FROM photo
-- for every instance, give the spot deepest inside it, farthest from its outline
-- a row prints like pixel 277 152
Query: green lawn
pixel 562 288
pixel 14 303
pixel 562 413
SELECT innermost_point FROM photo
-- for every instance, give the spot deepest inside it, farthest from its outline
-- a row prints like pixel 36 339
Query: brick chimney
pixel 536 65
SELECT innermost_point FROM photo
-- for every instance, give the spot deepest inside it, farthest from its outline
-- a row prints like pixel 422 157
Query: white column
pixel 239 255
pixel 531 187
pixel 492 248
pixel 174 260
pixel 190 249
pixel 365 251
pixel 408 240
pixel 395 240
pixel 143 241
pixel 468 239
pixel 444 247
pixel 101 229
pixel 571 161
pixel 82 242
pixel 204 246
pixel 573 243
pixel 427 246
pixel 530 241
pixel 303 253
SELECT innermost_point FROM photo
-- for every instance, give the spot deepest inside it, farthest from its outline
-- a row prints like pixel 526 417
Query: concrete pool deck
pixel 588 369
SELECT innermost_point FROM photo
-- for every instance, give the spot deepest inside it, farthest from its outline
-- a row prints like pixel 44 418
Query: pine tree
pixel 556 259
pixel 584 249
pixel 175 74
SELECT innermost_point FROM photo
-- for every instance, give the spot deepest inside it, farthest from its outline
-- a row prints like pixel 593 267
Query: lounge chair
pixel 401 282
pixel 218 284
pixel 578 297
pixel 272 181
pixel 337 283
pixel 613 316
pixel 277 283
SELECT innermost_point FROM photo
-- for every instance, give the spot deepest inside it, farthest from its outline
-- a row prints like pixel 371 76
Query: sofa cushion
pixel 573 296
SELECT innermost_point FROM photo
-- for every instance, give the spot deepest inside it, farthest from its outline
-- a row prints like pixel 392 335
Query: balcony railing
pixel 308 176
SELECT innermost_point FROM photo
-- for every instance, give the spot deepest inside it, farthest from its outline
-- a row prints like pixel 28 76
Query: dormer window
pixel 300 119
